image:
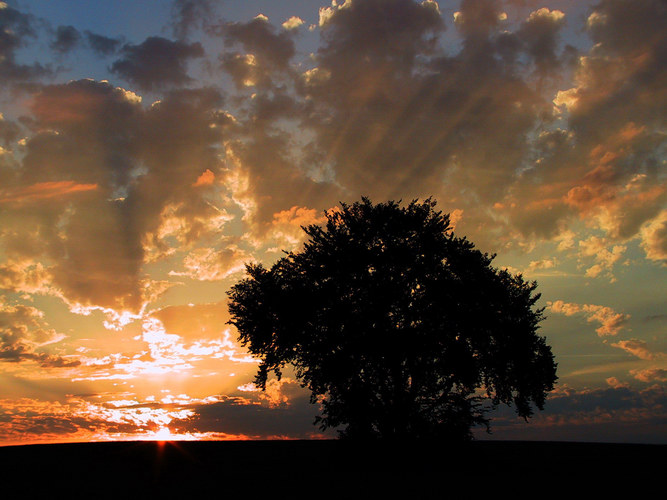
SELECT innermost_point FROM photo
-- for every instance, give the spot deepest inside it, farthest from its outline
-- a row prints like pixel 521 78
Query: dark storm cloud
pixel 65 39
pixel 156 63
pixel 102 45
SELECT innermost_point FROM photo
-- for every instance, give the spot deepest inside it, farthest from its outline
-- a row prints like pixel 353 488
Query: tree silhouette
pixel 399 328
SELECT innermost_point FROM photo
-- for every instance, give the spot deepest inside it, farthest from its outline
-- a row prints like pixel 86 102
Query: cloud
pixel 15 30
pixel 610 321
pixel 66 39
pixel 605 258
pixel 100 178
pixel 542 264
pixel 194 321
pixel 654 238
pixel 616 384
pixel 539 33
pixel 277 392
pixel 156 63
pixel 165 354
pixel 293 23
pixel 81 419
pixel 43 190
pixel 102 45
pixel 393 116
pixel 619 413
pixel 188 15
pixel 286 227
pixel 209 264
pixel 477 18
pixel 24 334
pixel 25 277
pixel 235 416
pixel 266 51
pixel 649 375
pixel 636 347
pixel 9 131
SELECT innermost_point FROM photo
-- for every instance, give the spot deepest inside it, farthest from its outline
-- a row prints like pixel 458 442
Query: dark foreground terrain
pixel 327 469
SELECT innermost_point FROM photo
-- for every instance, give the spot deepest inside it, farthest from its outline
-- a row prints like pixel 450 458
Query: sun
pixel 164 434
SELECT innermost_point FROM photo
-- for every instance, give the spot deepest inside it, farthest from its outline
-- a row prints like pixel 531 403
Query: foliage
pixel 399 328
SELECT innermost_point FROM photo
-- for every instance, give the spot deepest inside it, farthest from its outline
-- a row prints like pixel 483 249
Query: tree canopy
pixel 399 328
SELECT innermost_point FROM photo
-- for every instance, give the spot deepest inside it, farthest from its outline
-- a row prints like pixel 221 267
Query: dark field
pixel 328 469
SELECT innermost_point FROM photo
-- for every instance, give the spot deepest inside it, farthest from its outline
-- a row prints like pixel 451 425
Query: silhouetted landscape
pixel 322 469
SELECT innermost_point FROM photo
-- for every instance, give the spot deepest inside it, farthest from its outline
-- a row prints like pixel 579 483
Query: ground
pixel 327 469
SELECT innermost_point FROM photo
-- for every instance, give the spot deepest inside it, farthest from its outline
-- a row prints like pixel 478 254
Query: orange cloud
pixel 654 238
pixel 43 190
pixel 297 216
pixel 205 179
pixel 650 375
pixel 636 347
pixel 610 321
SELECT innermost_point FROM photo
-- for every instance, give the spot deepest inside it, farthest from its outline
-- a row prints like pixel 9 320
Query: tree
pixel 399 328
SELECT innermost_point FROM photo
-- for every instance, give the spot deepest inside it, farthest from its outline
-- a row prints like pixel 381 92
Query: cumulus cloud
pixel 381 110
pixel 25 276
pixel 286 227
pixel 157 62
pixel 604 258
pixel 293 23
pixel 100 178
pixel 536 265
pixel 266 51
pixel 610 321
pixel 649 375
pixel 616 384
pixel 540 33
pixel 654 238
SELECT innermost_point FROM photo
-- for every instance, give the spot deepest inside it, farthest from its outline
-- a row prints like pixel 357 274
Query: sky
pixel 150 149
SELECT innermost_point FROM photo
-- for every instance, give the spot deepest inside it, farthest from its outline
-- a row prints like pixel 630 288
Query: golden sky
pixel 148 150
